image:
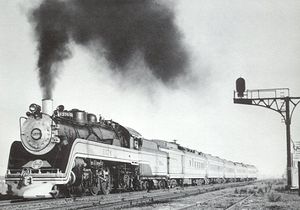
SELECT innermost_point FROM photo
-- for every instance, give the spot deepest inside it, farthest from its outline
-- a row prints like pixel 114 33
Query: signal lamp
pixel 240 87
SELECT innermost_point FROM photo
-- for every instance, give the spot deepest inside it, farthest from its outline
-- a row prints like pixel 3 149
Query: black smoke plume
pixel 120 27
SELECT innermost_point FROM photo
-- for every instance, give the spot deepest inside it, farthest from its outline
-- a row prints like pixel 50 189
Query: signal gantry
pixel 277 99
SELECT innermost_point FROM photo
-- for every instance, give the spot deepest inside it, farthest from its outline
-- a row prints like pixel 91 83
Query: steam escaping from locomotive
pixel 117 30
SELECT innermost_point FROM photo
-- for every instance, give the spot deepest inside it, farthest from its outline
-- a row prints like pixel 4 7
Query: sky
pixel 258 40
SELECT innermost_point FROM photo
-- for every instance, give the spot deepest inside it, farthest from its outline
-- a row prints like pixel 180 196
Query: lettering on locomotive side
pixel 106 152
pixel 65 114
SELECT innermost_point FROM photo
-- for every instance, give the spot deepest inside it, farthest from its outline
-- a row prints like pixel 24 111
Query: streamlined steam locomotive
pixel 70 152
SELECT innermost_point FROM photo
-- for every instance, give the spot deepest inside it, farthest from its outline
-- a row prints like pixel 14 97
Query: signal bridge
pixel 277 99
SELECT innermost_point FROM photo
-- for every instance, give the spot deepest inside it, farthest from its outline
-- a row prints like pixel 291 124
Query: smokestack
pixel 47 106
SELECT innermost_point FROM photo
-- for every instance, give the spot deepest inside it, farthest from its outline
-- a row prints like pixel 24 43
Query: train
pixel 72 153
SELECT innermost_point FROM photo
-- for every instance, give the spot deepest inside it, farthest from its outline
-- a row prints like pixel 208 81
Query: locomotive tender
pixel 71 152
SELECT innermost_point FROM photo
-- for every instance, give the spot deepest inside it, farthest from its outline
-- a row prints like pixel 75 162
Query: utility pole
pixel 277 99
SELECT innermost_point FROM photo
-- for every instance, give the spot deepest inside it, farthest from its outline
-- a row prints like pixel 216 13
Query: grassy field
pixel 273 195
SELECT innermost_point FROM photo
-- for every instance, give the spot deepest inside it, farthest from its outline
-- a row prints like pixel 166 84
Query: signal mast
pixel 277 99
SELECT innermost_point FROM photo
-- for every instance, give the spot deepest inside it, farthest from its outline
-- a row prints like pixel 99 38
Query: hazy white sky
pixel 256 39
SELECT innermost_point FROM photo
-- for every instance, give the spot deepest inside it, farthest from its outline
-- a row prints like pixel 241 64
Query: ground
pixel 265 195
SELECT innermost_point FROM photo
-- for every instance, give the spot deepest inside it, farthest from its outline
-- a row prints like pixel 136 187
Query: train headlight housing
pixel 34 108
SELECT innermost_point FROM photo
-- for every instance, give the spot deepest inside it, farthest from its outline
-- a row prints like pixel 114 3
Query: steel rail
pixel 238 202
pixel 200 202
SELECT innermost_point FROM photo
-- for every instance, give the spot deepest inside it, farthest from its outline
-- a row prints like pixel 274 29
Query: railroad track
pixel 199 203
pixel 239 202
pixel 114 201
pixel 228 201
pixel 205 203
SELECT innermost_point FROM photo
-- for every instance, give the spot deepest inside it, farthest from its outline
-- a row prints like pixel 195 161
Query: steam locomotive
pixel 71 152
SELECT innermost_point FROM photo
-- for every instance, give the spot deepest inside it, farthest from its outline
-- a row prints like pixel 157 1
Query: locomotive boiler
pixel 71 152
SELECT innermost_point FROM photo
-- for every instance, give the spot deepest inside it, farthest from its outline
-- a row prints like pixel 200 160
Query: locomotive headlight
pixel 34 108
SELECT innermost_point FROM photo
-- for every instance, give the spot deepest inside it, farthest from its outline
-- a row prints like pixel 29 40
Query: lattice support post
pixel 288 142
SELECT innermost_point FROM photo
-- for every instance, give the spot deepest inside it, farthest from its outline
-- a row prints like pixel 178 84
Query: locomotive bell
pixel 91 118
pixel 240 87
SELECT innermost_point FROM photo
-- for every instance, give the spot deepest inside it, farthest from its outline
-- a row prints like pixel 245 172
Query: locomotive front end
pixel 38 130
pixel 28 165
pixel 62 151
